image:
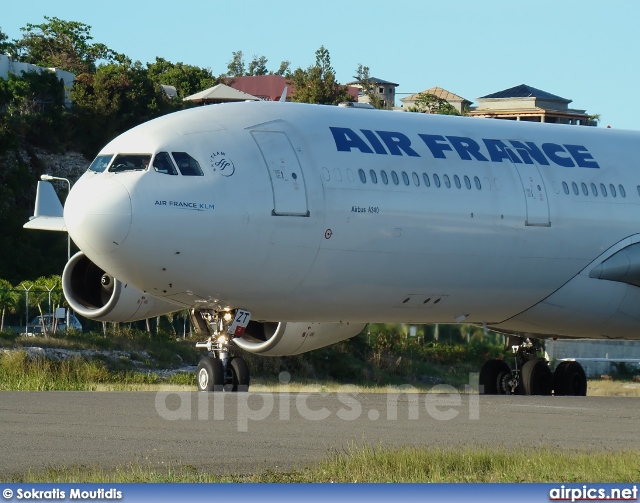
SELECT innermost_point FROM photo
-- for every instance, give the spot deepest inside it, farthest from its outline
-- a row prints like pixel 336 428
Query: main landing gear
pixel 219 371
pixel 531 375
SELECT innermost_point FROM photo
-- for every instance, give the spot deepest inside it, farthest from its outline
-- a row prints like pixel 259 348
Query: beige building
pixel 385 90
pixel 459 103
pixel 526 103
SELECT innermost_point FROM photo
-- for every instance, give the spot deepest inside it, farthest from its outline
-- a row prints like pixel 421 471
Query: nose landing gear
pixel 219 371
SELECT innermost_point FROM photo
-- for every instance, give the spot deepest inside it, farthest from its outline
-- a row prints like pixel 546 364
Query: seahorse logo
pixel 222 164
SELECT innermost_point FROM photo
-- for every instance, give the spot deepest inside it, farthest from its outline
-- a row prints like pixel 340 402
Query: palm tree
pixel 38 295
pixel 9 299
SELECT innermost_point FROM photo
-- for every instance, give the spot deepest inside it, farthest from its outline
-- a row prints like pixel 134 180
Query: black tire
pixel 569 379
pixel 490 372
pixel 210 375
pixel 537 378
pixel 240 374
pixel 503 380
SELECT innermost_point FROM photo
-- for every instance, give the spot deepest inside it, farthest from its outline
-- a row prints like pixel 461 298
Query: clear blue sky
pixel 583 50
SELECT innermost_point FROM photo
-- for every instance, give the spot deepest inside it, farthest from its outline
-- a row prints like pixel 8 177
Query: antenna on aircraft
pixel 283 96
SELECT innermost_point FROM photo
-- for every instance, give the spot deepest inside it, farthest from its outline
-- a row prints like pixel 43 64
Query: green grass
pixel 18 372
pixel 378 464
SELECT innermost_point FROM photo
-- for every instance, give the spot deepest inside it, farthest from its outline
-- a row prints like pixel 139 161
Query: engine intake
pixel 96 295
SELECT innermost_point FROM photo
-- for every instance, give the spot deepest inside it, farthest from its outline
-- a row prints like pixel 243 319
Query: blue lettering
pixel 466 147
pixel 437 144
pixel 346 139
pixel 497 150
pixel 528 151
pixel 397 142
pixel 375 143
pixel 582 156
pixel 552 150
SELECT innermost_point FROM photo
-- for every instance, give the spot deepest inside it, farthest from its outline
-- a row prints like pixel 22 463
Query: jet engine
pixel 284 339
pixel 98 296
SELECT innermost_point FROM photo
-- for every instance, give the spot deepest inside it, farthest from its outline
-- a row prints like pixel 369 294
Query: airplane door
pixel 535 195
pixel 287 180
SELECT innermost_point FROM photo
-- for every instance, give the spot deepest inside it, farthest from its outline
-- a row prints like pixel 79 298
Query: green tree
pixel 61 44
pixel 283 69
pixel 368 86
pixel 317 84
pixel 236 66
pixel 116 98
pixel 6 47
pixel 38 295
pixel 187 79
pixel 431 104
pixel 258 66
pixel 9 299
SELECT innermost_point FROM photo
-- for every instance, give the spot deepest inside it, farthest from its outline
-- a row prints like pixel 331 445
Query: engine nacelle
pixel 285 339
pixel 98 296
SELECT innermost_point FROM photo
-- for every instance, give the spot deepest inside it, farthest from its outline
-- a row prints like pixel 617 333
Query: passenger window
pixel 477 181
pixel 436 180
pixel 162 164
pixel 363 177
pixel 467 182
pixel 130 162
pixel 565 187
pixel 585 190
pixel 426 180
pixel 612 189
pixel 187 165
pixel 373 176
pixel 416 179
pixel 574 186
pixel 623 193
pixel 100 163
pixel 594 190
pixel 456 179
pixel 447 182
pixel 394 177
pixel 603 190
pixel 385 178
pixel 405 178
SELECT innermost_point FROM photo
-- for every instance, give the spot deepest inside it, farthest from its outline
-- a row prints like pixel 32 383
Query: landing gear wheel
pixel 240 374
pixel 569 379
pixel 504 383
pixel 490 374
pixel 210 375
pixel 537 378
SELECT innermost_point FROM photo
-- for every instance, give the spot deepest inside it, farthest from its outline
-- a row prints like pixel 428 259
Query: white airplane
pixel 288 227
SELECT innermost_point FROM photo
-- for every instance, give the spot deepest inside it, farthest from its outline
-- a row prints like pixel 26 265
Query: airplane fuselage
pixel 329 214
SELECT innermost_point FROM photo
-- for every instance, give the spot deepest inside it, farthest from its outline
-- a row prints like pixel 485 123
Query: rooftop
pixel 525 91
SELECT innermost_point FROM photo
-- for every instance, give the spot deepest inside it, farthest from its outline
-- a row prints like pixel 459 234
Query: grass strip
pixel 380 464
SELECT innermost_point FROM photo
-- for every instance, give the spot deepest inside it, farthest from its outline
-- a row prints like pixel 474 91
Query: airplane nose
pixel 97 213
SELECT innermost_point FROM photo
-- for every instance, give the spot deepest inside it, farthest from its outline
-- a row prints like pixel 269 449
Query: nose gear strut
pixel 219 371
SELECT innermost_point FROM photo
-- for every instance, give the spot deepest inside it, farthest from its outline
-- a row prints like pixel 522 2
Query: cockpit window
pixel 130 162
pixel 162 163
pixel 100 163
pixel 187 165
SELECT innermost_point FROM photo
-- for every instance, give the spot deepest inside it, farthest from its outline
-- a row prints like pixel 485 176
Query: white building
pixel 384 89
pixel 7 66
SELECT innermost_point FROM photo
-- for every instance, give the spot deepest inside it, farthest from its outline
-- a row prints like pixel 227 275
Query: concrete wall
pixel 579 349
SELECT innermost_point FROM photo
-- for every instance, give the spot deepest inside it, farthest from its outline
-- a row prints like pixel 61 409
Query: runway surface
pixel 244 432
